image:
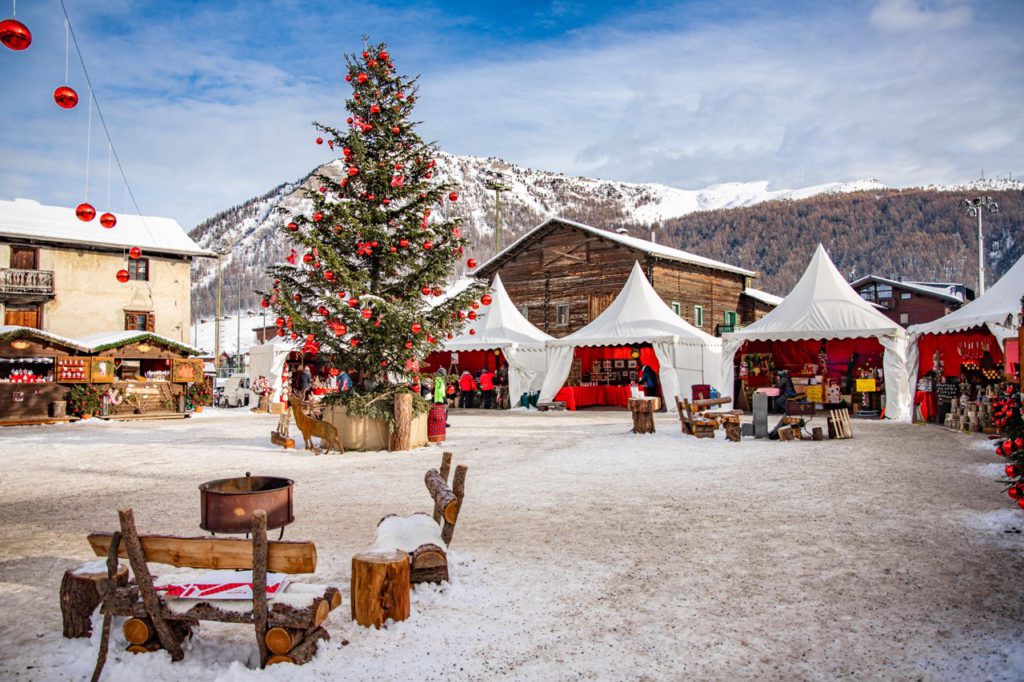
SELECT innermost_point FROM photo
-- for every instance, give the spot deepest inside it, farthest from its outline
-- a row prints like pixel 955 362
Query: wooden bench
pixel 695 421
pixel 288 625
pixel 425 537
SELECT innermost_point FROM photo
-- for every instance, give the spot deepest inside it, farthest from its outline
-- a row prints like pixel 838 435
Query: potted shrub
pixel 83 400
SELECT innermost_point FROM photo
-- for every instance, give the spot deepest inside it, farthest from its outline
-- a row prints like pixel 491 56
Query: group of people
pixel 305 383
pixel 465 390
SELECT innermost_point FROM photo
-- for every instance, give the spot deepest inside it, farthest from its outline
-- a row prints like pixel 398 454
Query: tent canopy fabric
pixel 686 354
pixel 821 306
pixel 997 307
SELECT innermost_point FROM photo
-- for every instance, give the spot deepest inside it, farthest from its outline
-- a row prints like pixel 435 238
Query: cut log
pixel 732 431
pixel 643 414
pixel 138 630
pixel 380 587
pixel 333 597
pixel 711 402
pixel 401 437
pixel 459 490
pixel 283 640
pixel 81 593
pixel 259 582
pixel 428 564
pixel 144 648
pixel 216 553
pixel 446 465
pixel 444 498
pixel 284 441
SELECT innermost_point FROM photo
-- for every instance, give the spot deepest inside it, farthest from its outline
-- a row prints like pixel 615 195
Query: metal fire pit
pixel 227 504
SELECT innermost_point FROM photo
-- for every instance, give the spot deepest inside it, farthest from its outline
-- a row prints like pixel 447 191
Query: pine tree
pixel 373 254
pixel 1010 421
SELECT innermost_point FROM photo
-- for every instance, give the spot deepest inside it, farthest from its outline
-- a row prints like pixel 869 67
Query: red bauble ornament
pixel 280 332
pixel 1019 443
pixel 65 97
pixel 428 245
pixel 353 171
pixel 340 329
pixel 293 227
pixel 471 314
pixel 416 327
pixel 392 249
pixel 367 313
pixel 404 243
pixel 318 216
pixel 319 140
pixel 348 78
pixel 108 220
pixel 471 263
pixel 15 34
pixel 279 322
pixel 307 258
pixel 135 253
pixel 486 299
pixel 408 345
pixel 474 305
pixel 293 336
pixel 1020 503
pixel 1011 470
pixel 353 302
pixel 362 78
pixel 329 275
pixel 122 276
pixel 1013 492
pixel 85 212
pixel 324 312
pixel 297 298
pixel 438 291
pixel 472 331
pixel 383 56
pixel 396 130
pixel 454 196
pixel 354 342
pixel 374 109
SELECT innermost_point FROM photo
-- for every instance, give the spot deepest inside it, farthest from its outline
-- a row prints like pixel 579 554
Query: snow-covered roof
pixel 999 305
pixel 934 290
pixel 499 326
pixel 643 245
pixel 762 296
pixel 28 219
pixel 17 332
pixel 114 339
pixel 637 315
pixel 821 306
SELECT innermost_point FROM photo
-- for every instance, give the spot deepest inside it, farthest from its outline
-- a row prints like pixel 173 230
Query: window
pixel 730 318
pixel 677 308
pixel 138 269
pixel 906 295
pixel 884 291
pixel 24 258
pixel 138 321
pixel 562 315
pixel 904 318
pixel 698 316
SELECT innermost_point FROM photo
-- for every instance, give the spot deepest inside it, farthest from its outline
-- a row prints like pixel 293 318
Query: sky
pixel 211 103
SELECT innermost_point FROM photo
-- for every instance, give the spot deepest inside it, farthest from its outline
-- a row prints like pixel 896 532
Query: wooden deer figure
pixel 310 427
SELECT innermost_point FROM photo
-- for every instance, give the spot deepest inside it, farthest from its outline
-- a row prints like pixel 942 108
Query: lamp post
pixel 497 183
pixel 975 208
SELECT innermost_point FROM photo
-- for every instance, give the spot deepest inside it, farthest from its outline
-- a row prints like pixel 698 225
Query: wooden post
pixel 444 498
pixel 80 594
pixel 401 437
pixel 446 465
pixel 732 431
pixel 259 582
pixel 459 490
pixel 145 582
pixel 643 414
pixel 380 587
pixel 108 595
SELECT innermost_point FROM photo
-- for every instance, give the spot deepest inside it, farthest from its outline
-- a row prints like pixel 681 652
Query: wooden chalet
pixel 908 303
pixel 563 274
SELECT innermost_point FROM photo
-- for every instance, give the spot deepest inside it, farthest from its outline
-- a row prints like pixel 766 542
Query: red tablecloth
pixel 584 396
pixel 927 402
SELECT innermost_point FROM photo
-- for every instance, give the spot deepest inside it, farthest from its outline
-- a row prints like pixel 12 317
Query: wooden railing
pixel 14 281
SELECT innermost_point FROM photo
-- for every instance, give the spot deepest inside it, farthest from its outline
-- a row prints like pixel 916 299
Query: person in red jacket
pixel 467 386
pixel 487 387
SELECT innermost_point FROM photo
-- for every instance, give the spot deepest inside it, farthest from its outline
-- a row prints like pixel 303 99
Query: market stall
pixel 637 328
pixel 267 374
pixel 141 373
pixel 32 365
pixel 836 346
pixel 499 337
pixel 970 349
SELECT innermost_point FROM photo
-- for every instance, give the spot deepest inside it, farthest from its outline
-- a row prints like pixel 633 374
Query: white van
pixel 236 391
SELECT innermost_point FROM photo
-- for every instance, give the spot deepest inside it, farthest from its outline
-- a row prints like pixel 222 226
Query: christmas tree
pixel 1010 421
pixel 364 285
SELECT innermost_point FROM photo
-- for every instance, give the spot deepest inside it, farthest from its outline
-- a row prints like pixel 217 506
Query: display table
pixel 926 399
pixel 585 396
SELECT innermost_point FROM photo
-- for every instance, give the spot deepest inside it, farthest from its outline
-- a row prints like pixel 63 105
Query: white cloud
pixel 902 15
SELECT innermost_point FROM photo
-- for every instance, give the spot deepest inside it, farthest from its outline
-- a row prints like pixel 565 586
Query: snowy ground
pixel 583 551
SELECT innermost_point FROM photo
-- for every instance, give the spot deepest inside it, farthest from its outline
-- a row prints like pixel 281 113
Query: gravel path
pixel 583 552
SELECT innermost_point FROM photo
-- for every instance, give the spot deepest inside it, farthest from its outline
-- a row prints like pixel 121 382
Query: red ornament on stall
pixel 65 97
pixel 135 253
pixel 122 276
pixel 486 299
pixel 324 312
pixel 416 327
pixel 454 196
pixel 280 332
pixel 335 371
pixel 293 336
pixel 15 34
pixel 438 291
pixel 384 56
pixel 108 220
pixel 1011 470
pixel 374 109
pixel 396 130
pixel 408 345
pixel 85 212
pixel 1013 492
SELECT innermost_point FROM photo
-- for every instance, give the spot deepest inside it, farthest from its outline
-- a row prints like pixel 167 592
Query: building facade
pixel 563 274
pixel 59 274
pixel 908 303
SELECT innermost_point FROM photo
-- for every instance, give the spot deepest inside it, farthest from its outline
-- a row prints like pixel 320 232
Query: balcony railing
pixel 26 282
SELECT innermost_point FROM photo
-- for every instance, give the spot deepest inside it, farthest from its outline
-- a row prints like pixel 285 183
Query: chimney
pixel 654 237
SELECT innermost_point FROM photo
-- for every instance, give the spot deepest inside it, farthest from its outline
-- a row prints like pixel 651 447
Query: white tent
pixel 268 360
pixel 502 327
pixel 996 310
pixel 823 305
pixel 686 355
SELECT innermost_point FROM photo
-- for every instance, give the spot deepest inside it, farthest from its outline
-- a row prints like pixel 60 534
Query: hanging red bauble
pixel 392 249
pixel 454 196
pixel 329 275
pixel 324 312
pixel 122 276
pixel 108 220
pixel 297 298
pixel 135 253
pixel 353 302
pixel 65 97
pixel 438 291
pixel 1019 443
pixel 15 34
pixel 1013 492
pixel 474 305
pixel 425 291
pixel 279 322
pixel 307 258
pixel 354 342
pixel 85 212
pixel 472 331
pixel 416 327
pixel 471 314
pixel 362 78
pixel 265 303
pixel 400 95
pixel 340 329
pixel 318 216
pixel 348 78
pixel 293 227
pixel 462 315
pixel 353 171
pixel 486 299
pixel 293 336
pixel 319 140
pixel 374 109
pixel 404 243
pixel 384 56
pixel 1020 503
pixel 280 332
pixel 471 263
pixel 428 245
pixel 367 313
pixel 1011 471
pixel 408 345
pixel 396 130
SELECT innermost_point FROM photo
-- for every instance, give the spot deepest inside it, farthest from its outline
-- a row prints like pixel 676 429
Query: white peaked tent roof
pixel 997 306
pixel 822 305
pixel 636 315
pixel 499 325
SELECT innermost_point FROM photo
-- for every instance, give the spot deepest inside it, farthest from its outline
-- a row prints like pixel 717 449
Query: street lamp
pixel 975 208
pixel 497 183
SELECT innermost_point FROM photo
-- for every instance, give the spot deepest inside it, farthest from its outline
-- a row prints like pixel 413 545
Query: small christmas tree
pixel 364 285
pixel 1009 420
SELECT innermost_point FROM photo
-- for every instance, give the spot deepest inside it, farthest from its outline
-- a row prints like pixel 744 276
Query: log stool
pixel 380 587
pixel 80 595
pixel 643 413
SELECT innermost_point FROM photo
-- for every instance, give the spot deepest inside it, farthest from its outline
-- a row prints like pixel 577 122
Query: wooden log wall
pixel 716 290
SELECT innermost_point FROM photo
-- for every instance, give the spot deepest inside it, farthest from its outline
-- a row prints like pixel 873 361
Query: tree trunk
pixel 380 587
pixel 80 595
pixel 401 437
pixel 259 581
pixel 444 499
pixel 643 415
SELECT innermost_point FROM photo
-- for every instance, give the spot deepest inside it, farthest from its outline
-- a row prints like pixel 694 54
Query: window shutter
pixel 150 322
